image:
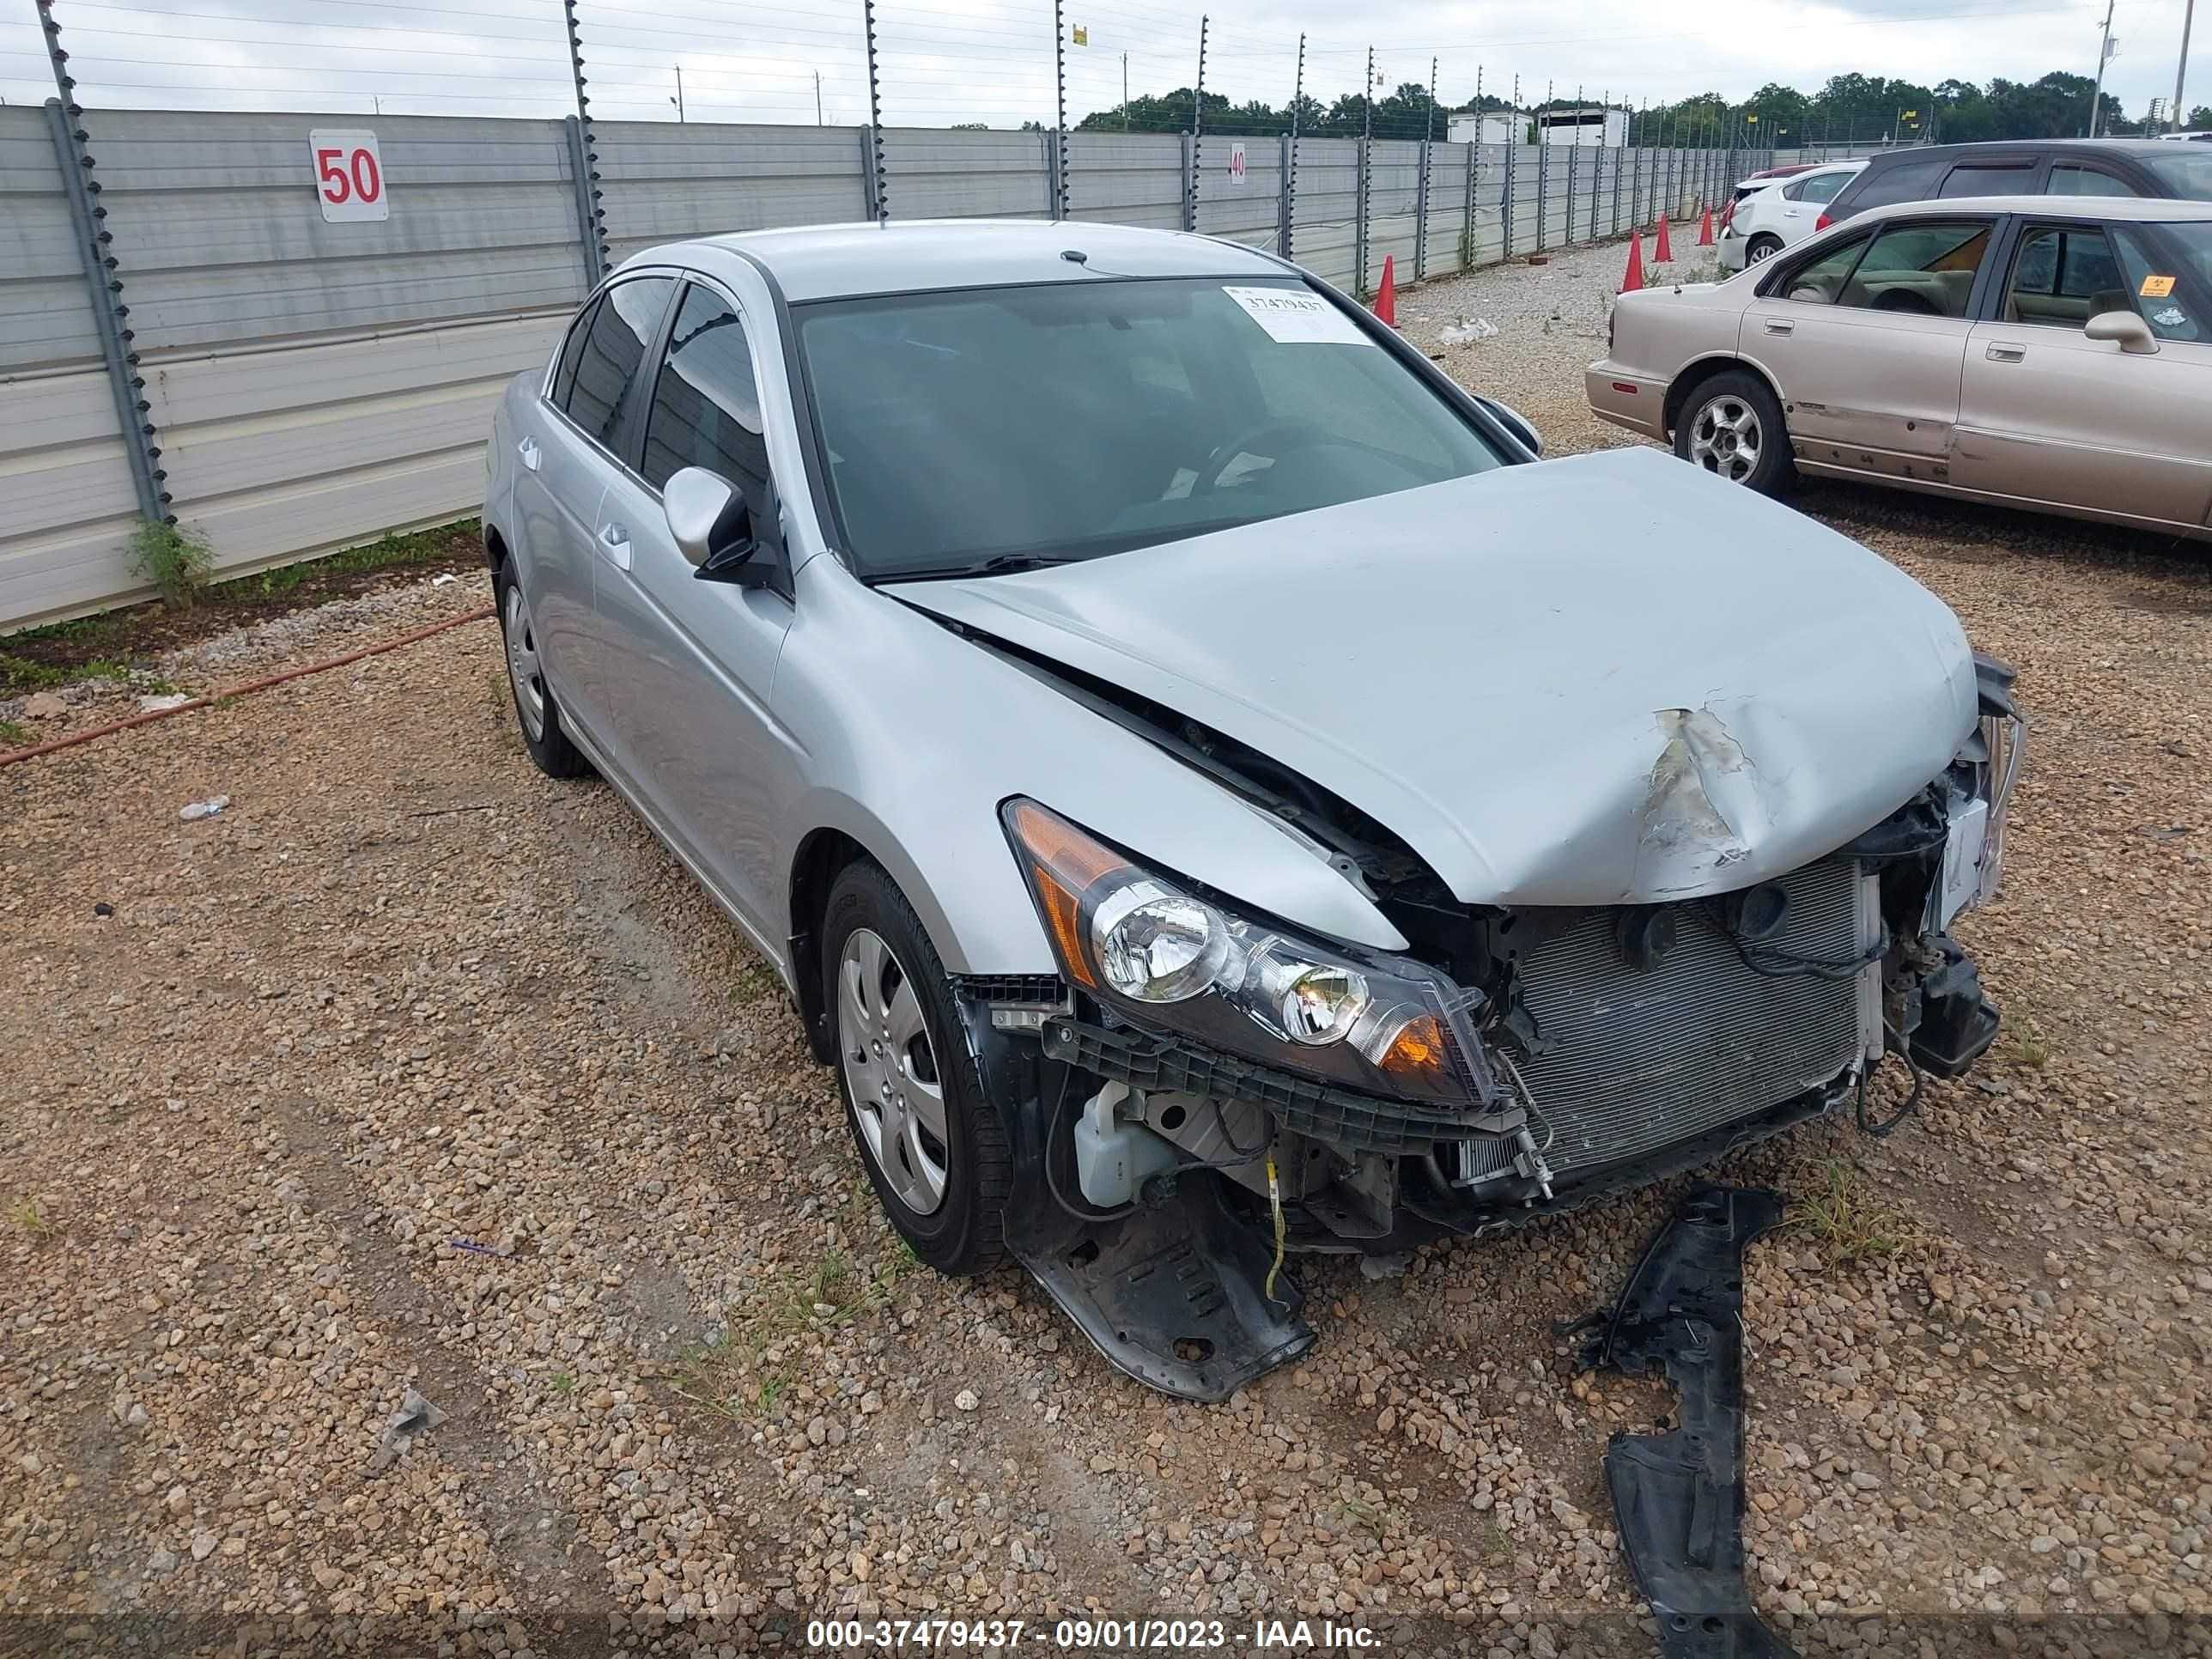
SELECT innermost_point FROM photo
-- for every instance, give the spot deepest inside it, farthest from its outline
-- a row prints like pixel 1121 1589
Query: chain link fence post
pixel 1543 171
pixel 1359 210
pixel 1060 120
pixel 1512 155
pixel 1291 156
pixel 589 196
pixel 103 279
pixel 1421 195
pixel 1192 144
pixel 879 202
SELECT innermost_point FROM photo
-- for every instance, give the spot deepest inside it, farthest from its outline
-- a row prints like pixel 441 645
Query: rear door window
pixel 564 376
pixel 1908 182
pixel 614 346
pixel 2071 178
pixel 1922 267
pixel 1819 282
pixel 1990 179
pixel 1821 187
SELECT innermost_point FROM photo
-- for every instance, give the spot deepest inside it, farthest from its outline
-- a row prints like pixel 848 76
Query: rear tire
pixel 932 1142
pixel 535 710
pixel 1732 427
pixel 1761 247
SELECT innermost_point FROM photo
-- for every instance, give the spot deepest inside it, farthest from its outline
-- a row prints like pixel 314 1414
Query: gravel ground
pixel 414 1071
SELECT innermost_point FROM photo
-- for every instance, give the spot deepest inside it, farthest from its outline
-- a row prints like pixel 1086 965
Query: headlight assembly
pixel 1168 958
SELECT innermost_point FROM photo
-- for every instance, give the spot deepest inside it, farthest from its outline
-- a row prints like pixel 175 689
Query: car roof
pixel 2145 209
pixel 2017 146
pixel 825 262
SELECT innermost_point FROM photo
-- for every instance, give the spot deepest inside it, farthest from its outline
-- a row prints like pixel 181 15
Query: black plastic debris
pixel 1679 1496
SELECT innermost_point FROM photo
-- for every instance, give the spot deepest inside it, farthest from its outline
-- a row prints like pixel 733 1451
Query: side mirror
pixel 712 525
pixel 1517 423
pixel 2124 329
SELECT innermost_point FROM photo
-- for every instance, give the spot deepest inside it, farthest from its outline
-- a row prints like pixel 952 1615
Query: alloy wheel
pixel 891 1070
pixel 523 671
pixel 1726 439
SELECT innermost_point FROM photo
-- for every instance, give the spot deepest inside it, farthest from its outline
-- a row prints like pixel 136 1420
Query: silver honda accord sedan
pixel 1209 792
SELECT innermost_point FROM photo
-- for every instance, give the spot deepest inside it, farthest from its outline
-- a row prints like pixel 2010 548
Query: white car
pixel 1781 214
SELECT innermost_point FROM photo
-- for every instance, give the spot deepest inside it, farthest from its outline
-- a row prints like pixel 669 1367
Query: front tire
pixel 933 1144
pixel 1733 428
pixel 535 710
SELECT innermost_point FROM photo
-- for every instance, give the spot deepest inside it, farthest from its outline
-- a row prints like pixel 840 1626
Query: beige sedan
pixel 2046 352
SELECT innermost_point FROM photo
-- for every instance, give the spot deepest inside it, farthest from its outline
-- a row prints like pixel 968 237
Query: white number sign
pixel 348 175
pixel 1236 164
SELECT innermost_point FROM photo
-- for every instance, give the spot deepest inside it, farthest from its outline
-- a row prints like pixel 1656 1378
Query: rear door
pixel 2048 415
pixel 1866 341
pixel 693 662
pixel 564 480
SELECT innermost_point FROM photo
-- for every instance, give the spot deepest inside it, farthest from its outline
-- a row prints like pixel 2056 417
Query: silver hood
pixel 1603 679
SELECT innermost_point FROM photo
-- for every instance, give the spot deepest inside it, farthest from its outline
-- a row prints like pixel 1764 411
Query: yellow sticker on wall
pixel 2156 287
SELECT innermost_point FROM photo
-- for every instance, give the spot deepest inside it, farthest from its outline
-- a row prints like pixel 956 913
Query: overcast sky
pixel 986 60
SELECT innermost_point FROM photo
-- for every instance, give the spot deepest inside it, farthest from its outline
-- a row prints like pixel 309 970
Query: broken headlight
pixel 1167 956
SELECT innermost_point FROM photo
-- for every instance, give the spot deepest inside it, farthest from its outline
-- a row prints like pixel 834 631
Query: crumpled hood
pixel 1602 679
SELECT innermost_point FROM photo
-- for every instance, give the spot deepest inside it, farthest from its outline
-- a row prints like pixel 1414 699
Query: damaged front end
pixel 1208 1091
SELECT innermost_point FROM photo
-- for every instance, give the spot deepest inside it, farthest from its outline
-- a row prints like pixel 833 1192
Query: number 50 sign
pixel 348 175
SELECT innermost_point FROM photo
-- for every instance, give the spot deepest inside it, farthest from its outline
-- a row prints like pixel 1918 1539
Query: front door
pixel 2049 415
pixel 1866 342
pixel 694 662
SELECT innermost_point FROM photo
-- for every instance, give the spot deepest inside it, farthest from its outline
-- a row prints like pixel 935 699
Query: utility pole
pixel 2181 69
pixel 1125 92
pixel 817 98
pixel 678 99
pixel 2103 57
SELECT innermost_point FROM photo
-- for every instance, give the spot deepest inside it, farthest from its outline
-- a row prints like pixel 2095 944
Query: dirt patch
pixel 131 635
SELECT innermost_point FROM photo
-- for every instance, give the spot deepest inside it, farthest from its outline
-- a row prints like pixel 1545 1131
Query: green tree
pixel 2200 118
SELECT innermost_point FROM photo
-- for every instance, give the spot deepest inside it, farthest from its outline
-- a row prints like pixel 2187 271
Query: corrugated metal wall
pixel 66 500
pixel 315 385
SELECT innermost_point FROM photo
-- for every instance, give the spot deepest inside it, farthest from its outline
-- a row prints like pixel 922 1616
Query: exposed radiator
pixel 1638 1060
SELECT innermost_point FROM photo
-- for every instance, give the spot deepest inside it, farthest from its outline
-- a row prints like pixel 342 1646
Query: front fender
pixel 914 737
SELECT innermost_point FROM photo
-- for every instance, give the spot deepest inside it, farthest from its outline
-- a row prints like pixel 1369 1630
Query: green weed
pixel 177 561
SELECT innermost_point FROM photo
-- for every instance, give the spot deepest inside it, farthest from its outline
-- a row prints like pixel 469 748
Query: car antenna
pixel 1075 256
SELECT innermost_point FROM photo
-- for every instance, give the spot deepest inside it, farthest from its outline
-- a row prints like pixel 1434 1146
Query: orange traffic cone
pixel 1661 253
pixel 1634 279
pixel 1386 297
pixel 1706 230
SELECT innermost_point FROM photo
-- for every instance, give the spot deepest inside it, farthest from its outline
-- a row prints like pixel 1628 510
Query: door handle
pixel 616 540
pixel 530 452
pixel 1999 353
pixel 1777 325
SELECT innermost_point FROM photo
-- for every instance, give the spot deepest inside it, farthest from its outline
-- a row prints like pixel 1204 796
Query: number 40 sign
pixel 348 175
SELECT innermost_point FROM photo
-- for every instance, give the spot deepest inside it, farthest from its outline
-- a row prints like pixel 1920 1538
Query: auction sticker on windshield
pixel 1295 316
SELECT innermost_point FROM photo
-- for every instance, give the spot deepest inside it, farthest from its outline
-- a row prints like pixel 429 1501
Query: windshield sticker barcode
pixel 1297 316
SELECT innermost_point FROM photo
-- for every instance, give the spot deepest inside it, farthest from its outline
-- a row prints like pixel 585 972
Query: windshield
pixel 1070 420
pixel 2187 173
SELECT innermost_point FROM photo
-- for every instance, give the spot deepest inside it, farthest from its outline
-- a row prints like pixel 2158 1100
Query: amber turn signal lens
pixel 1064 864
pixel 1419 1050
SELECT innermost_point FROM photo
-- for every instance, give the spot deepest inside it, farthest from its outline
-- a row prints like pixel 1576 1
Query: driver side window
pixel 2063 277
pixel 706 409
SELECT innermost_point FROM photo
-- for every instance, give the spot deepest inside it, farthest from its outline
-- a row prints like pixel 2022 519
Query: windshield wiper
pixel 998 564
